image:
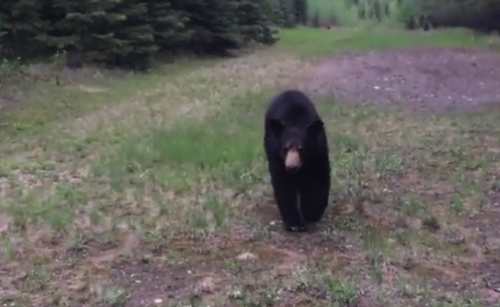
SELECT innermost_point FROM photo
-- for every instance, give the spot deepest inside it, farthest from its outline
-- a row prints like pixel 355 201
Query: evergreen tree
pixel 316 21
pixel 169 25
pixel 213 23
pixel 300 11
pixel 130 32
pixel 20 26
pixel 377 10
pixel 134 36
pixel 288 12
pixel 254 23
pixel 84 29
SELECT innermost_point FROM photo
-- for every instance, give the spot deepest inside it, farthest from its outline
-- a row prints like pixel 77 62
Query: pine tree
pixel 254 23
pixel 84 29
pixel 213 23
pixel 131 32
pixel 169 25
pixel 316 21
pixel 287 6
pixel 300 11
pixel 135 37
pixel 20 26
pixel 377 10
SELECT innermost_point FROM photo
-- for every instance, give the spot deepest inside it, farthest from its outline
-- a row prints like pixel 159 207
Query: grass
pixel 55 97
pixel 164 182
pixel 221 147
pixel 309 42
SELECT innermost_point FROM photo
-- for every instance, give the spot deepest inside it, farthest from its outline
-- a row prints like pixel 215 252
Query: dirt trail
pixel 423 79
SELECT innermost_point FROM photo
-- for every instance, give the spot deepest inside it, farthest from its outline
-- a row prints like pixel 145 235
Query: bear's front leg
pixel 286 195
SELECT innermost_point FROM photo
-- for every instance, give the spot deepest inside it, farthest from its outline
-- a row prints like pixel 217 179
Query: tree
pixel 253 22
pixel 20 26
pixel 316 21
pixel 134 37
pixel 213 25
pixel 300 7
pixel 169 25
pixel 480 14
pixel 130 32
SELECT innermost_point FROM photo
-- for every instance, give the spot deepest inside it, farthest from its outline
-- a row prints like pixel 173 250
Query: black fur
pixel 302 195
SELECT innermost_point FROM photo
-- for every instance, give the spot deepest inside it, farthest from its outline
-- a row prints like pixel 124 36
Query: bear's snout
pixel 293 162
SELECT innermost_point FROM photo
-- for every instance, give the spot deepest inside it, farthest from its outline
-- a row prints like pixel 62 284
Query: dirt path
pixel 432 79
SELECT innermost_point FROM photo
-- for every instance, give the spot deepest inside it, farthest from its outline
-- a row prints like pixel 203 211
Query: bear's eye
pixel 277 126
pixel 315 126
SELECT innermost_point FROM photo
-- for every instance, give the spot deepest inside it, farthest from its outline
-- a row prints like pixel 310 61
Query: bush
pixel 481 15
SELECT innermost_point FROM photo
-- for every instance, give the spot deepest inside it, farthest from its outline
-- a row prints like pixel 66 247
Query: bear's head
pixel 296 141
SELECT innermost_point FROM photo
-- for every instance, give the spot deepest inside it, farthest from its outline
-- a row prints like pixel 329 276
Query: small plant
pixel 347 223
pixel 114 297
pixel 8 250
pixel 387 164
pixel 413 207
pixel 198 220
pixel 457 205
pixel 377 247
pixel 37 278
pixel 342 293
pixel 349 171
pixel 56 210
pixel 9 68
pixel 217 210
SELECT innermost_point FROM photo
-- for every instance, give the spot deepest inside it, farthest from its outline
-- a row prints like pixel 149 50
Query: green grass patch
pixel 57 209
pixel 342 293
pixel 224 147
pixel 320 42
pixel 410 205
pixel 45 101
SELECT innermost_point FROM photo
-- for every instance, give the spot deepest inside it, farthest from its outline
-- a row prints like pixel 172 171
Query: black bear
pixel 297 152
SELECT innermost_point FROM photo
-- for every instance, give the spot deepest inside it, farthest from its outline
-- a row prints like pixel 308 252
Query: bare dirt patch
pixel 423 79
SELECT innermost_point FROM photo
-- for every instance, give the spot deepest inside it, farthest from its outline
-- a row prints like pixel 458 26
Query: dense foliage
pixel 131 32
pixel 481 15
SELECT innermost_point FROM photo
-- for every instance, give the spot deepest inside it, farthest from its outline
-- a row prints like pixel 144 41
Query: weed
pixel 348 173
pixel 233 266
pixel 199 220
pixel 218 211
pixel 347 223
pixel 377 248
pixel 4 169
pixel 51 211
pixel 342 293
pixel 406 237
pixel 9 68
pixel 413 207
pixel 432 223
pixel 8 251
pixel 37 278
pixel 388 164
pixel 114 297
pixel 457 205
